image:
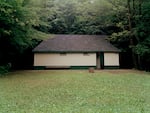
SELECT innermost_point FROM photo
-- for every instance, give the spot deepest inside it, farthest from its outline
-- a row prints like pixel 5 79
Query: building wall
pixel 111 59
pixel 69 59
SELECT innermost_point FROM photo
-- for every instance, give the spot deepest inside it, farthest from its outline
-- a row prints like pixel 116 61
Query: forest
pixel 25 23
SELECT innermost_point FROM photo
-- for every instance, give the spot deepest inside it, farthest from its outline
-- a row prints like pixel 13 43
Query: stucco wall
pixel 69 59
pixel 111 59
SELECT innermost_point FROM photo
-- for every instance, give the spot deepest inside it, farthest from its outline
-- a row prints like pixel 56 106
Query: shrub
pixel 4 69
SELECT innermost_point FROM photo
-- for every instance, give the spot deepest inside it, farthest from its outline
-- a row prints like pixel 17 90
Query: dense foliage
pixel 79 17
pixel 125 21
pixel 17 32
pixel 134 32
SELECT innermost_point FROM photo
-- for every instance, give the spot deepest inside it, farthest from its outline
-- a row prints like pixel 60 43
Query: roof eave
pixel 117 51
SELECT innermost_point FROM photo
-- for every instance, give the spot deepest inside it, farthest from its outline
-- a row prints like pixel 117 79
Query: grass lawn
pixel 75 91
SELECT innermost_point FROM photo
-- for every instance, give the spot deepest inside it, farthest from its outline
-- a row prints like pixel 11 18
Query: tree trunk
pixel 129 16
pixel 133 5
pixel 134 58
pixel 130 33
pixel 140 7
pixel 140 13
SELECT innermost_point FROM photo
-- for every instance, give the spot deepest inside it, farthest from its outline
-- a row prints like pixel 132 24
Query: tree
pixel 127 23
pixel 17 29
pixel 134 32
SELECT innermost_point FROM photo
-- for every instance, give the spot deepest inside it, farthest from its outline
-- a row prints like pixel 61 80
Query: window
pixel 63 54
pixel 86 54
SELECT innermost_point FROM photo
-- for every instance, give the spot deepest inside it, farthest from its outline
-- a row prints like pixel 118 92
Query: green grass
pixel 67 91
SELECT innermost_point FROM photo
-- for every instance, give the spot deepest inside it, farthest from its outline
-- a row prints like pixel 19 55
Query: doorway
pixel 98 64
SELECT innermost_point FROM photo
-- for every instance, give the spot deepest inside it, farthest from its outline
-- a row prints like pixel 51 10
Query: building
pixel 76 52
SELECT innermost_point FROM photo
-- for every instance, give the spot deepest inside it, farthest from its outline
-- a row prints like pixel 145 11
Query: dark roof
pixel 76 43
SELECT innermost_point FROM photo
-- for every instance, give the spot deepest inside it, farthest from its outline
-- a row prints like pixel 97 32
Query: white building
pixel 76 52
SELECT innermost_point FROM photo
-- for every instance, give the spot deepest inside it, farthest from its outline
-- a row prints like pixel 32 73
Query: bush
pixel 5 69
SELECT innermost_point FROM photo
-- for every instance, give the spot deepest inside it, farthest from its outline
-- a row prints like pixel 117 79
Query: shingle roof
pixel 76 43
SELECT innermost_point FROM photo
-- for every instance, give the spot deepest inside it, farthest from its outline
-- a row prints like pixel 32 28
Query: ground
pixel 75 91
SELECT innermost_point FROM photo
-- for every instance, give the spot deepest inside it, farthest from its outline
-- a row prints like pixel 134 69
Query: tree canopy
pixel 23 23
pixel 18 22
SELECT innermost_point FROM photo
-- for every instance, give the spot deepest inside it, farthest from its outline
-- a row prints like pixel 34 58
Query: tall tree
pixel 17 29
pixel 136 33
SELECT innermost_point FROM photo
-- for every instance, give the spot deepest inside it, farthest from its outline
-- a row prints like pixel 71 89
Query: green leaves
pixel 132 20
pixel 22 21
pixel 143 48
pixel 17 28
pixel 79 17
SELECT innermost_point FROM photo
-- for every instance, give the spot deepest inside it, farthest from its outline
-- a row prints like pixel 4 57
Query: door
pixel 98 64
